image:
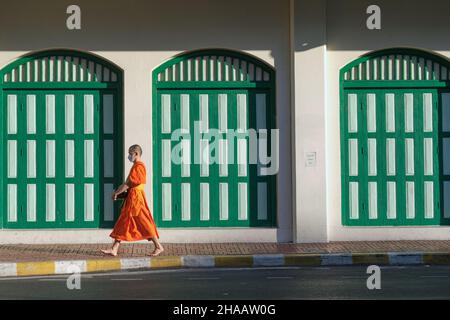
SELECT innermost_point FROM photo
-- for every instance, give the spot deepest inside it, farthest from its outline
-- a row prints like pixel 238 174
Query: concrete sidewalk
pixel 29 259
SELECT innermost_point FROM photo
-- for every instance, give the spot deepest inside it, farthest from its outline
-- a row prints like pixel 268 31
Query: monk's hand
pixel 114 196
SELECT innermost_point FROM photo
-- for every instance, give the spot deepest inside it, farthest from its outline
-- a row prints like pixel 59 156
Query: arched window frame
pixel 106 76
pixel 266 81
pixel 412 69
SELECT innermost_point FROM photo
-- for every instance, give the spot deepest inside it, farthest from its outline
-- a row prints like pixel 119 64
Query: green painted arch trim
pixel 397 64
pixel 209 66
pixel 60 66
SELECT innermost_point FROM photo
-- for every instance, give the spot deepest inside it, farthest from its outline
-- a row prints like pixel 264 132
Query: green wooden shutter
pixel 391 133
pixel 61 111
pixel 391 145
pixel 225 90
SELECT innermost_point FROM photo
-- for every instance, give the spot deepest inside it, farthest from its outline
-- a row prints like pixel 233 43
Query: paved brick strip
pixel 35 252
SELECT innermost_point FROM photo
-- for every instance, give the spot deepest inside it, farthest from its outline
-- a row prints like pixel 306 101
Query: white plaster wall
pixel 140 35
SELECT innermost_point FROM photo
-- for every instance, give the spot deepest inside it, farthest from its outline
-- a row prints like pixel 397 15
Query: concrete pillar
pixel 308 40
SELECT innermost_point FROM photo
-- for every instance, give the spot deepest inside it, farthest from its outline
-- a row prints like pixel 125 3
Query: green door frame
pixel 33 72
pixel 207 83
pixel 411 70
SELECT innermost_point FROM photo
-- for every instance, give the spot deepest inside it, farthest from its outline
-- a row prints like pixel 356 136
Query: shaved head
pixel 135 148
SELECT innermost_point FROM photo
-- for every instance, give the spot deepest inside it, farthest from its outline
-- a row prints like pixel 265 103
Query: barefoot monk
pixel 135 221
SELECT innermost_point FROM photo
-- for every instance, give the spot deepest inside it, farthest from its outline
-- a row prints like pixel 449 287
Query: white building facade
pixel 357 115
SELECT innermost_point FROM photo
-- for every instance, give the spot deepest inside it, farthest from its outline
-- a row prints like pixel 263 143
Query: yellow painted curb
pixel 35 268
pixel 436 258
pixel 302 260
pixel 101 265
pixel 370 258
pixel 165 262
pixel 233 261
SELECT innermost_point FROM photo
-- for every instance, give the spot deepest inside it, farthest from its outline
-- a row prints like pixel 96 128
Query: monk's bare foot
pixel 157 251
pixel 110 252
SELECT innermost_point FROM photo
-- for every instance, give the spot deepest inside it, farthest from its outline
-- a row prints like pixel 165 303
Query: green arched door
pixel 61 127
pixel 203 175
pixel 395 139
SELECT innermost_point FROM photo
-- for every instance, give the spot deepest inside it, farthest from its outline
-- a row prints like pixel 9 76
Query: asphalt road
pixel 415 282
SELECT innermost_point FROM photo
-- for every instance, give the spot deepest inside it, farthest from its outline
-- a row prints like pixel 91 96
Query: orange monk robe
pixel 135 221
